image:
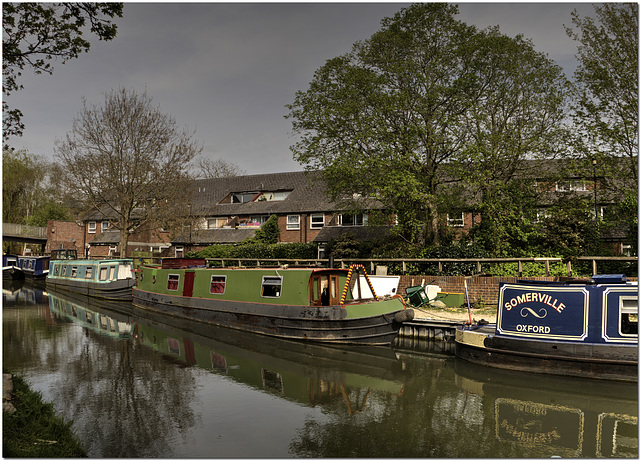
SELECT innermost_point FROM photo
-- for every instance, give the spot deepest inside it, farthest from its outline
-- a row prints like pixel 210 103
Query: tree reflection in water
pixel 135 386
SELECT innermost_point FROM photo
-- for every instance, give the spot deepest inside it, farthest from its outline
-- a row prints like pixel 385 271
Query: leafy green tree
pixel 381 120
pixel 129 161
pixel 23 185
pixel 606 101
pixel 48 211
pixel 425 101
pixel 518 114
pixel 570 228
pixel 34 34
pixel 268 233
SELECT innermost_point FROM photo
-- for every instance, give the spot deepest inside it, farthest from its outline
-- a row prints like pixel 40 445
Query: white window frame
pixel 179 251
pixel 359 220
pixel 176 279
pixel 293 224
pixel 271 281
pixel 91 226
pixel 224 284
pixel 105 225
pixel 455 222
pixel 316 221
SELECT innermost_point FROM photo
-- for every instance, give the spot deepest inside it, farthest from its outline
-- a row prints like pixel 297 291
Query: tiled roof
pixel 214 236
pixel 308 194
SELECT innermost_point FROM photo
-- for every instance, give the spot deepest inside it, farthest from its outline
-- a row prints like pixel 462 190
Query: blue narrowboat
pixel 34 267
pixel 10 269
pixel 587 328
pixel 25 267
pixel 110 279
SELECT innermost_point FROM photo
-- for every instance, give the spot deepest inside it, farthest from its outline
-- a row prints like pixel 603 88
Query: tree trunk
pixel 124 242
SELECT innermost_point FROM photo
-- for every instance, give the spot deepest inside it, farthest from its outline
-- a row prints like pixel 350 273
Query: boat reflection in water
pixel 347 401
pixel 550 418
pixel 108 317
pixel 17 291
pixel 307 373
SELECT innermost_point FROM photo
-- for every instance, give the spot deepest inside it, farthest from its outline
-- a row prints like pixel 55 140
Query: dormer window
pixel 244 197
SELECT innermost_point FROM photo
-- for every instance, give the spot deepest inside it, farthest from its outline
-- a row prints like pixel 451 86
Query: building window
pixel 179 251
pixel 112 250
pixel 172 282
pixel 217 222
pixel 241 197
pixel 352 220
pixel 91 227
pixel 271 286
pixel 105 225
pixel 317 221
pixel 572 186
pixel 293 222
pixel 455 220
pixel 218 284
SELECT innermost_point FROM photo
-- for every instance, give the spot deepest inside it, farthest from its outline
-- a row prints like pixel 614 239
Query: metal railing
pixel 25 231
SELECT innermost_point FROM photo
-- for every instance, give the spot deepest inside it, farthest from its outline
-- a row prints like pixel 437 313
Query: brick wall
pixel 479 287
pixel 305 234
pixel 64 235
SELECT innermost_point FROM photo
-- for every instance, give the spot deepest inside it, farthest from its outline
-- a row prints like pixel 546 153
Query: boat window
pixel 56 270
pixel 218 284
pixel 172 282
pixel 629 316
pixel 103 273
pixel 31 263
pixel 89 273
pixel 271 286
pixel 74 272
pixel 112 272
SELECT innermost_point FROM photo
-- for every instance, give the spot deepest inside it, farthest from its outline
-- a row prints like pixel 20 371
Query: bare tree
pixel 128 160
pixel 208 168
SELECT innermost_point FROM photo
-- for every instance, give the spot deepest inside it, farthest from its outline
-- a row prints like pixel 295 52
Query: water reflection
pixel 140 385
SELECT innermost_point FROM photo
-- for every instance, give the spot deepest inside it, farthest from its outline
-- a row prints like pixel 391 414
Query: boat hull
pixel 316 324
pixel 592 360
pixel 114 290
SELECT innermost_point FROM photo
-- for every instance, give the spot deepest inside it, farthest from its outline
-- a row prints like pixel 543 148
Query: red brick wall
pixel 483 288
pixel 305 234
pixel 61 235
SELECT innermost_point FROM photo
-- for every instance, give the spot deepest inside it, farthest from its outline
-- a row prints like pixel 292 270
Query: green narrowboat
pixel 310 304
pixel 110 279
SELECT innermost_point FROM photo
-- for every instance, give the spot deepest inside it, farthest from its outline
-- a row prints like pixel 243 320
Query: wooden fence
pixel 479 263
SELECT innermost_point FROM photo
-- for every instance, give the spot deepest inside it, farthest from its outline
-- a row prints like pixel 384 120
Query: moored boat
pixel 587 329
pixel 35 268
pixel 110 279
pixel 10 270
pixel 310 304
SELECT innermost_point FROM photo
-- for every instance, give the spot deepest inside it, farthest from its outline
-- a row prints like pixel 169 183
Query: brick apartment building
pixel 229 210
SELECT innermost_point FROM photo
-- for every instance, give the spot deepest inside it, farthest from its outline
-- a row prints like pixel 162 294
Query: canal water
pixel 136 385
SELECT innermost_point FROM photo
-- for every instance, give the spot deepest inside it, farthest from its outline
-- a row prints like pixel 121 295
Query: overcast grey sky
pixel 228 69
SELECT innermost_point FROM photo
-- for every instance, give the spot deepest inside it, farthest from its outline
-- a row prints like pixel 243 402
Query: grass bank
pixel 34 429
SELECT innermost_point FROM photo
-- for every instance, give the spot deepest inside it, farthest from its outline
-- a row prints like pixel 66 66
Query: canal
pixel 137 385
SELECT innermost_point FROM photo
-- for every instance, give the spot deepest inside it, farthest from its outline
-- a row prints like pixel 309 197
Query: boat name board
pixel 533 311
